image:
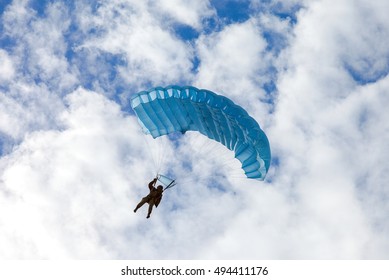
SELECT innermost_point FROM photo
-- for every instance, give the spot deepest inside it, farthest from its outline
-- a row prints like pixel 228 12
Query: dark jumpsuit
pixel 153 198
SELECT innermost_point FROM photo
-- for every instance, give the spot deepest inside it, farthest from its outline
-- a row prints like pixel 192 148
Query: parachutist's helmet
pixel 160 188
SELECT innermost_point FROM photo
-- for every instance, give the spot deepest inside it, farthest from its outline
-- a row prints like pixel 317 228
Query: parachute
pixel 162 111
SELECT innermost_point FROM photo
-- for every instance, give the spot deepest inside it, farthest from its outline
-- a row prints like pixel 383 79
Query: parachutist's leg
pixel 140 204
pixel 150 209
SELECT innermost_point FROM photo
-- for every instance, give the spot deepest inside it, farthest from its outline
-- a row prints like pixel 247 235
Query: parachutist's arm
pixel 152 183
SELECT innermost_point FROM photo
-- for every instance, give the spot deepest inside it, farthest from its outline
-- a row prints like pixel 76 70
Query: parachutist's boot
pixel 148 216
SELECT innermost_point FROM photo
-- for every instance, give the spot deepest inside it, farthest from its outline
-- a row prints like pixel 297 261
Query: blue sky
pixel 74 162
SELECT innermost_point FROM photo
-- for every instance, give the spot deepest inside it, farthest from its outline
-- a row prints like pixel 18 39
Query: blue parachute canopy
pixel 162 111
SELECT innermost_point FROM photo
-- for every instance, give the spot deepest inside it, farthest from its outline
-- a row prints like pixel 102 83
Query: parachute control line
pixel 166 181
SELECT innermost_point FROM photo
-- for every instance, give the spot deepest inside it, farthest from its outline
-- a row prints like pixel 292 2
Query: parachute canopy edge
pixel 161 111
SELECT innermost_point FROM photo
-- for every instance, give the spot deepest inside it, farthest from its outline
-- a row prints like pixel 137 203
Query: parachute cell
pixel 161 111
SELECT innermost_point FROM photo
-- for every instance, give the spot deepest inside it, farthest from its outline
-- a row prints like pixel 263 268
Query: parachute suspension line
pixel 215 153
pixel 202 146
pixel 151 153
pixel 203 180
pixel 159 153
pixel 187 181
pixel 163 147
pixel 207 145
pixel 205 148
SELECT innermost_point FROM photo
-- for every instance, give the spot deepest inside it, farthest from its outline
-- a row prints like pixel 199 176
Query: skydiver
pixel 153 198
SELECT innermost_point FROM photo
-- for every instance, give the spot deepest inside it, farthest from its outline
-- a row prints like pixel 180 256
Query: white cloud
pixel 152 53
pixel 329 154
pixel 359 42
pixel 67 189
pixel 234 62
pixel 27 107
pixel 59 187
pixel 7 70
pixel 186 12
pixel 40 51
pixel 35 73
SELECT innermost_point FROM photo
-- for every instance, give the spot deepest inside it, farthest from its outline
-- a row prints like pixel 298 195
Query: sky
pixel 74 161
